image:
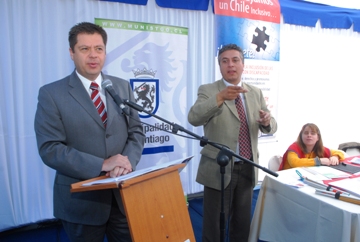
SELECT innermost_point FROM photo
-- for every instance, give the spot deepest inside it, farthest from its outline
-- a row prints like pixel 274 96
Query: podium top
pixel 104 182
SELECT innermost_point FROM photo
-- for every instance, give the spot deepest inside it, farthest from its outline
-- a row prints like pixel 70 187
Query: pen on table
pixel 300 175
pixel 339 196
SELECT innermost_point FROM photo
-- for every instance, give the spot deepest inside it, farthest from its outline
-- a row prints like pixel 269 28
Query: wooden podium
pixel 155 206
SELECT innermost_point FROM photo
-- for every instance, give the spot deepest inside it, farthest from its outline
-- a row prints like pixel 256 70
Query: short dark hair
pixel 231 47
pixel 88 28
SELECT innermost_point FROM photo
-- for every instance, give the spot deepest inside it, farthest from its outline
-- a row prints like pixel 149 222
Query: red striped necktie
pixel 100 107
pixel 244 135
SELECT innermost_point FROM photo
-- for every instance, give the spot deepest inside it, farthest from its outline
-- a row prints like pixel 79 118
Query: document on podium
pixel 139 172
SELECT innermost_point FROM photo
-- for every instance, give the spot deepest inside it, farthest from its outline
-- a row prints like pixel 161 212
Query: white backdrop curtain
pixel 318 83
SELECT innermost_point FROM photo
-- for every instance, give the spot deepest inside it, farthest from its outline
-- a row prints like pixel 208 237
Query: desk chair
pixel 274 163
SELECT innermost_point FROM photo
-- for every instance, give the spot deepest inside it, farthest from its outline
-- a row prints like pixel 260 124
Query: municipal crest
pixel 145 88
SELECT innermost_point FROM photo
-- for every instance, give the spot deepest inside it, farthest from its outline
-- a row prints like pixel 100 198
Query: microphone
pixel 134 105
pixel 107 85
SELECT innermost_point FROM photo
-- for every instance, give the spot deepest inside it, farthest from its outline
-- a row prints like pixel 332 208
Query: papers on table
pixel 344 181
pixel 355 160
pixel 351 185
pixel 325 171
pixel 306 172
pixel 139 172
pixel 348 185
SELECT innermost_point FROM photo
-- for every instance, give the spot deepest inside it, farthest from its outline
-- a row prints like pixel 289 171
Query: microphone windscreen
pixel 106 83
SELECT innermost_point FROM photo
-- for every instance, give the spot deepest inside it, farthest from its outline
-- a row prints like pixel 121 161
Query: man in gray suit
pixel 74 140
pixel 215 109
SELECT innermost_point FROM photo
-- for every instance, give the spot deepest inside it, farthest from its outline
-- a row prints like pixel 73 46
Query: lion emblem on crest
pixel 145 96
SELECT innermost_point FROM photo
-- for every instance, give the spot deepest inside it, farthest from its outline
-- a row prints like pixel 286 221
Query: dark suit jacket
pixel 222 125
pixel 72 140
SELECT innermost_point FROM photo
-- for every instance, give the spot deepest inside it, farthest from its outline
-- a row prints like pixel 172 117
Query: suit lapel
pixel 78 92
pixel 111 108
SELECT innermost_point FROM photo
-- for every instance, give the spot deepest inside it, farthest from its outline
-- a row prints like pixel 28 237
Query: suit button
pixel 107 135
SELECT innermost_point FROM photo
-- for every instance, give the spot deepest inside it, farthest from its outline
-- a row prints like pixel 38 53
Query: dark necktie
pixel 100 107
pixel 244 135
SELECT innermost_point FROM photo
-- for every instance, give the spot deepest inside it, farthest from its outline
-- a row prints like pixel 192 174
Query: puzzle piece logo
pixel 260 38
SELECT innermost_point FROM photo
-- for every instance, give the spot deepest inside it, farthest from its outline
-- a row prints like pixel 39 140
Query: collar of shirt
pixel 86 82
pixel 229 84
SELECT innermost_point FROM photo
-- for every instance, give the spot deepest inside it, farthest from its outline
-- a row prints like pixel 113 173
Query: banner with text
pixel 153 59
pixel 254 25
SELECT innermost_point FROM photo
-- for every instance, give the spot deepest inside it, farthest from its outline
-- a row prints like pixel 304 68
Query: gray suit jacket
pixel 221 125
pixel 72 140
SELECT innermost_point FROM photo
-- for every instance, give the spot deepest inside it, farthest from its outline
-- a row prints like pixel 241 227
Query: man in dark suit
pixel 215 109
pixel 74 140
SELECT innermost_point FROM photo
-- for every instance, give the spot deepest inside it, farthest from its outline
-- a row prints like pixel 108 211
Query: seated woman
pixel 309 150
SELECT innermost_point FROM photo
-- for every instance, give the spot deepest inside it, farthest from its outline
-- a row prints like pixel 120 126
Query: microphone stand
pixel 223 157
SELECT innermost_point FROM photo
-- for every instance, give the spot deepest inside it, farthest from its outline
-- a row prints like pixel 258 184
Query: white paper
pixel 351 185
pixel 139 172
pixel 313 175
pixel 355 160
pixel 326 171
